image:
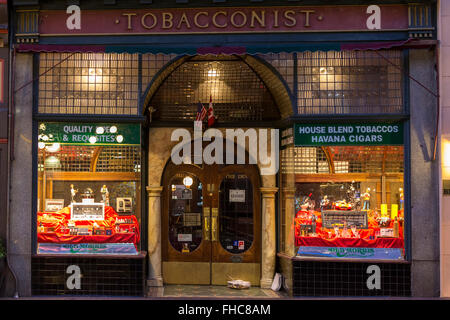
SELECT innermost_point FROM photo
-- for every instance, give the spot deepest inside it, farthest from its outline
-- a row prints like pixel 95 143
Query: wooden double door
pixel 211 224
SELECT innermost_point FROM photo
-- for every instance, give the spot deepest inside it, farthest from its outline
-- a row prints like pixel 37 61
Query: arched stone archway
pixel 159 153
pixel 263 70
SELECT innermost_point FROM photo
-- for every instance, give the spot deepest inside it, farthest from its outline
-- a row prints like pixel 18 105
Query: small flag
pixel 211 117
pixel 201 112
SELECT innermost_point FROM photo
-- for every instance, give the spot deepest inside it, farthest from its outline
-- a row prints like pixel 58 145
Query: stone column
pixel 154 237
pixel 289 212
pixel 20 239
pixel 269 249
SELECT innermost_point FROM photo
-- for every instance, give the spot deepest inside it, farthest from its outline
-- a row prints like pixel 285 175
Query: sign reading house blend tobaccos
pixel 348 134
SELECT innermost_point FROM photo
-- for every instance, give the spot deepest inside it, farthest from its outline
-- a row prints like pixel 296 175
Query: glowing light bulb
pixel 188 181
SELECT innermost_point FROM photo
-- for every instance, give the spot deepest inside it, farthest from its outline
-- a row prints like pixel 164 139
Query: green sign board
pixel 93 134
pixel 361 134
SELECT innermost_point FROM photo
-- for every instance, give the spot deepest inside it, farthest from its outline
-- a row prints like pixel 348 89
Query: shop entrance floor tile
pixel 212 292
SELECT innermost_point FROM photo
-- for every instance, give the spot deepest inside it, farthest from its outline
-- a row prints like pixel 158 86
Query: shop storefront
pixel 307 170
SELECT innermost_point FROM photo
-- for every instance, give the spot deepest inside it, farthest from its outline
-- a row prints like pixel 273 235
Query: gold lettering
pixel 261 19
pixel 275 22
pixel 307 13
pixel 184 20
pixel 215 22
pixel 196 19
pixel 167 20
pixel 129 15
pixel 155 20
pixel 288 15
pixel 244 19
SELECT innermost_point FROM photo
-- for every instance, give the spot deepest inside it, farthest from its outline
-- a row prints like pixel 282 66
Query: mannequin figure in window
pixel 366 198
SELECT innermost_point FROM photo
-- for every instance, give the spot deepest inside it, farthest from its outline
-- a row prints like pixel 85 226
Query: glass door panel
pixel 185 212
pixel 236 229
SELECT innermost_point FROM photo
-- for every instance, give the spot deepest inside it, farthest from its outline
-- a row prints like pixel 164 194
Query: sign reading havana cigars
pixel 234 19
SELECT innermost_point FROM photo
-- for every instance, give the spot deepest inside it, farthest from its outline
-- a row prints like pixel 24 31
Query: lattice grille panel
pixel 102 276
pixel 237 93
pixel 345 159
pixel 72 158
pixel 304 160
pixel 88 83
pixel 284 64
pixel 69 158
pixel 368 159
pixel 349 82
pixel 119 159
pixel 317 278
pixel 152 64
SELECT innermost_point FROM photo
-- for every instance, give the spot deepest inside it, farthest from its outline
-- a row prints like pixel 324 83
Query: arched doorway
pixel 211 224
pixel 244 95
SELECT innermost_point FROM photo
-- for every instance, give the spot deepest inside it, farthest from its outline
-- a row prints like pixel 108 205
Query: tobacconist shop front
pixel 278 144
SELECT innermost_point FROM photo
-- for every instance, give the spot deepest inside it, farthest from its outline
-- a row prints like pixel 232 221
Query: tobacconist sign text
pixel 348 134
pixel 227 19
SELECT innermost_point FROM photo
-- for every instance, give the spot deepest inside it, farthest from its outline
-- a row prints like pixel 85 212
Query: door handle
pixel 206 223
pixel 214 224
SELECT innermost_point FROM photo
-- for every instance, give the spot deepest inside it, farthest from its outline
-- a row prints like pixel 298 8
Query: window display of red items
pixel 57 227
pixel 381 231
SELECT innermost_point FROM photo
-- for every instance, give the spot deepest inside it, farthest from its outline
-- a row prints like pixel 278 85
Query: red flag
pixel 211 116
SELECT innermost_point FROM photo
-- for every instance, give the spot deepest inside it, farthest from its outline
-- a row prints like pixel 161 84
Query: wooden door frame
pixel 203 252
pixel 208 251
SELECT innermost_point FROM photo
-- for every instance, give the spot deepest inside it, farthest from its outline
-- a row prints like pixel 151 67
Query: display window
pixel 89 188
pixel 348 197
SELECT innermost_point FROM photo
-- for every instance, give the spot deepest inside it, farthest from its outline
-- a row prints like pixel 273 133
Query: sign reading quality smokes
pixel 348 134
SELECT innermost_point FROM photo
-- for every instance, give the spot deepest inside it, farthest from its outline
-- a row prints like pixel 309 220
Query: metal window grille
pixel 119 159
pixel 304 160
pixel 152 64
pixel 88 83
pixel 284 64
pixel 367 159
pixel 102 276
pixel 320 278
pixel 237 92
pixel 69 158
pixel 343 159
pixel 346 82
pixel 72 158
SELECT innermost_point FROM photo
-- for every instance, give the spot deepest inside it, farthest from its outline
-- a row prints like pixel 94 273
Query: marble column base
pixel 155 282
pixel 265 283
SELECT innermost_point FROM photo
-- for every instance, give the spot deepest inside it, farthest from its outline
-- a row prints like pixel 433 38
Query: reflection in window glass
pixel 358 203
pixel 185 212
pixel 236 213
pixel 89 194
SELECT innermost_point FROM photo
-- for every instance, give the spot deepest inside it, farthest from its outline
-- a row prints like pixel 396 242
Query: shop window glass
pixel 355 209
pixel 89 188
pixel 348 82
pixel 284 63
pixel 88 83
pixel 236 213
pixel 185 212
